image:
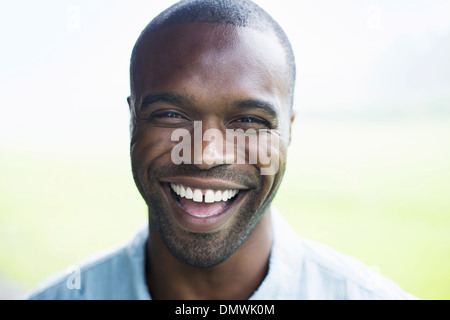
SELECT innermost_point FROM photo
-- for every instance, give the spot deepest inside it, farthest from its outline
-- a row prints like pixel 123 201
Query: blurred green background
pixel 376 190
pixel 368 168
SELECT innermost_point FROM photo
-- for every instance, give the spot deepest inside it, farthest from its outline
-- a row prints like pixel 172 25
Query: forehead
pixel 206 60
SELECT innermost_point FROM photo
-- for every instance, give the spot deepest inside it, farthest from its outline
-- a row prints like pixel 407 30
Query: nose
pixel 208 146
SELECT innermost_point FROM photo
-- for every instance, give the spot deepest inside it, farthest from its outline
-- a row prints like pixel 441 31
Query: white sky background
pixel 64 64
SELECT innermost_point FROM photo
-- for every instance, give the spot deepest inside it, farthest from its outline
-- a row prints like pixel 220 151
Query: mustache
pixel 232 173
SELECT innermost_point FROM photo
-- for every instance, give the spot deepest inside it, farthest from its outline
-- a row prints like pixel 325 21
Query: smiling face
pixel 221 77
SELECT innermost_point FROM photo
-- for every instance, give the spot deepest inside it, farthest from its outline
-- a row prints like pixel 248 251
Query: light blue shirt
pixel 298 269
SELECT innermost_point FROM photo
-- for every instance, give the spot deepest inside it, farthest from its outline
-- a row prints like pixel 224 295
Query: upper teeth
pixel 210 195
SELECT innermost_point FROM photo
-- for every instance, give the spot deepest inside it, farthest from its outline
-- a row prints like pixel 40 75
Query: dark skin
pixel 210 70
pixel 236 278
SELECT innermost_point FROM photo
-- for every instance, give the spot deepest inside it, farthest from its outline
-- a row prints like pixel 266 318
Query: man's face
pixel 221 77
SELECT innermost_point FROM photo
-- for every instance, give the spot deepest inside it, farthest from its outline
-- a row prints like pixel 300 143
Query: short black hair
pixel 239 13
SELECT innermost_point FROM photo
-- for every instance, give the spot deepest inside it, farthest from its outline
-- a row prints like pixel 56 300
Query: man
pixel 211 94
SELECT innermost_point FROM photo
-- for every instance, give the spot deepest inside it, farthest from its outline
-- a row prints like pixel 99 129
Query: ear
pixel 132 115
pixel 293 113
pixel 129 103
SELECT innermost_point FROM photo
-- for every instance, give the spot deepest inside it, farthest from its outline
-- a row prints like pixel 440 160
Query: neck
pixel 234 279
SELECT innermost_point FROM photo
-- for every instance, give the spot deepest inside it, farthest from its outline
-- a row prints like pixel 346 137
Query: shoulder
pixel 116 273
pixel 345 277
pixel 77 281
pixel 321 272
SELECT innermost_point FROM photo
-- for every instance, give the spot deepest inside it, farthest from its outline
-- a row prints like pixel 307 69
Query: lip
pixel 207 224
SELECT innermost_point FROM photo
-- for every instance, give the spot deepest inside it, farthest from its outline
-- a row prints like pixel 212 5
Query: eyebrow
pixel 175 99
pixel 266 107
pixel 170 98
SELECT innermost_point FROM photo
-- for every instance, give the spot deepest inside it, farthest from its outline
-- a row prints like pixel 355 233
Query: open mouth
pixel 203 203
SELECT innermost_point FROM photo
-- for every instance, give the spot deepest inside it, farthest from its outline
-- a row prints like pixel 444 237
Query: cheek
pixel 272 152
pixel 269 151
pixel 149 144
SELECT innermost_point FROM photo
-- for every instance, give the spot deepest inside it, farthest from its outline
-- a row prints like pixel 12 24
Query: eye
pixel 167 118
pixel 252 122
pixel 248 120
pixel 172 115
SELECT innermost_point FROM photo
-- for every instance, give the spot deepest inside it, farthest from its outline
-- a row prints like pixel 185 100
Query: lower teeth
pixel 202 209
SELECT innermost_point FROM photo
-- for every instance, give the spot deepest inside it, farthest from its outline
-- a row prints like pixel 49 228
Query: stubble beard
pixel 205 250
pixel 201 249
